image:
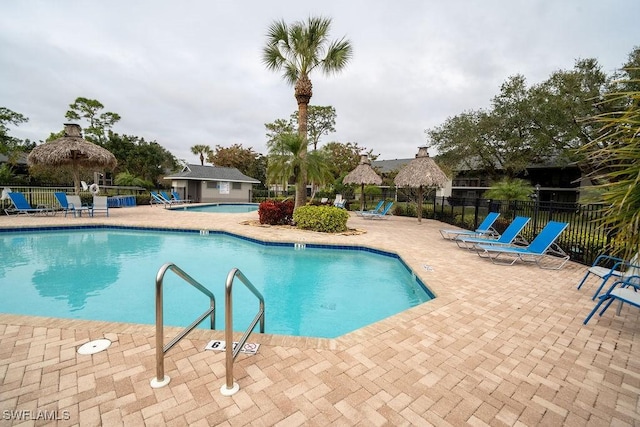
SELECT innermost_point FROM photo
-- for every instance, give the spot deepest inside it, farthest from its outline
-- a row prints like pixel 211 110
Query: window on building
pixel 236 186
pixel 212 184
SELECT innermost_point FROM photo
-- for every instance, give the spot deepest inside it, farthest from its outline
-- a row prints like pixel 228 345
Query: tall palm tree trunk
pixel 303 93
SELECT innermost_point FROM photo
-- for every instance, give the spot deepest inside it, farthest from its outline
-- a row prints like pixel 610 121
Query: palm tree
pixel 617 152
pixel 297 50
pixel 201 150
pixel 285 162
pixel 510 189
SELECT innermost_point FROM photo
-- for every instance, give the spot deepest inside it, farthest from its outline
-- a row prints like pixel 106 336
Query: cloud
pixel 186 73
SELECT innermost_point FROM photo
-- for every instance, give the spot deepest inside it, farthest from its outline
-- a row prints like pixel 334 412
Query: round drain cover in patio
pixel 95 346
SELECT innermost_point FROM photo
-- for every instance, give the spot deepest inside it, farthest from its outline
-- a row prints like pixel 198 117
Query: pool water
pixel 220 208
pixel 109 274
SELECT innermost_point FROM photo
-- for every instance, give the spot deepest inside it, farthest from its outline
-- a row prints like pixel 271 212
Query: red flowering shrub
pixel 276 213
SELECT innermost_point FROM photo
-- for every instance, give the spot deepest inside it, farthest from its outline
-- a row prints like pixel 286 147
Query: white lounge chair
pixel 77 205
pixel 100 204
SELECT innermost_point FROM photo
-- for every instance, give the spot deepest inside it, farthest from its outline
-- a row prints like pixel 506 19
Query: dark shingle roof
pixel 386 166
pixel 212 173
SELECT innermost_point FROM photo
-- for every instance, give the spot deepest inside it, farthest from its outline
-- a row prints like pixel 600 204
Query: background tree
pixel 99 123
pixel 343 158
pixel 149 160
pixel 277 128
pixel 320 121
pixel 527 125
pixel 245 160
pixel 130 180
pixel 10 146
pixel 298 50
pixel 560 106
pixel 464 142
pixel 202 150
pixel 8 143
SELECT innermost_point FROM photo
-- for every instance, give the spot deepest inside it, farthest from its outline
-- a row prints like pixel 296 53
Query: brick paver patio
pixel 499 346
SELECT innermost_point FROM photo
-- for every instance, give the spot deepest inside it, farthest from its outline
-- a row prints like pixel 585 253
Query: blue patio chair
pixel 169 198
pixel 605 267
pixel 624 291
pixel 179 199
pixel 64 203
pixel 159 200
pixel 510 235
pixel 22 206
pixel 377 209
pixel 541 247
pixel 378 215
pixel 484 229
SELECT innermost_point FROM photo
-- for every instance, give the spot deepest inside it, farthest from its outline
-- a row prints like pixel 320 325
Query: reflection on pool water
pixel 109 274
pixel 220 208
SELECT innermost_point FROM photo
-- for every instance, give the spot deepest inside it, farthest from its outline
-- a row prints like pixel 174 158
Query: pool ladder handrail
pixel 161 379
pixel 231 352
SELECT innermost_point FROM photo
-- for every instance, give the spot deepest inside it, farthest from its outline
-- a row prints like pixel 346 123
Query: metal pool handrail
pixel 231 351
pixel 161 380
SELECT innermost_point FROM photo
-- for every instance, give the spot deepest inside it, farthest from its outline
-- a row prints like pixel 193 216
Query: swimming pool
pixel 107 273
pixel 220 208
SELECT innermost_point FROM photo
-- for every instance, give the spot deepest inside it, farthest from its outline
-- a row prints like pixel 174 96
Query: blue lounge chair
pixel 542 246
pixel 605 267
pixel 510 235
pixel 179 199
pixel 166 196
pixel 71 204
pixel 64 203
pixel 378 215
pixel 159 200
pixel 484 229
pixel 377 209
pixel 624 291
pixel 22 206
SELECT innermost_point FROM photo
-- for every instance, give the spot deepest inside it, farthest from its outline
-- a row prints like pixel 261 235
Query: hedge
pixel 326 219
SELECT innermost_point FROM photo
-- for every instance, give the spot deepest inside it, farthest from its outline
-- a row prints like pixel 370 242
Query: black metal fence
pixel 584 239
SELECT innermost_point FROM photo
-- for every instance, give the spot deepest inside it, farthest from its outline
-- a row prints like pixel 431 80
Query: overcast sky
pixel 190 72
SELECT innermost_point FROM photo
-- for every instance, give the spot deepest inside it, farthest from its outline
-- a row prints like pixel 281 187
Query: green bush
pixel 406 209
pixel 326 219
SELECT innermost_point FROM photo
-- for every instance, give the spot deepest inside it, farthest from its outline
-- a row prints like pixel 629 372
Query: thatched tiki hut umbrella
pixel 363 174
pixel 74 152
pixel 419 173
